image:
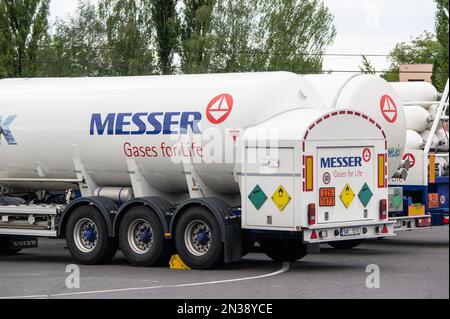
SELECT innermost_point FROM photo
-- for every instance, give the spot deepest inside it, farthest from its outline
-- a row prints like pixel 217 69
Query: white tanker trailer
pixel 207 162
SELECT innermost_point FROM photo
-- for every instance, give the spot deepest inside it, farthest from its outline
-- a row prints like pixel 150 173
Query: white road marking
pixel 284 268
pixel 26 297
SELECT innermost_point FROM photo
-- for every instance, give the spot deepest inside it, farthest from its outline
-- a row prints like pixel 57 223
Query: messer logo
pixel 219 109
pixel 5 131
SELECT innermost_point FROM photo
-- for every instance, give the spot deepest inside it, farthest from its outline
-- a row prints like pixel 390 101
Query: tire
pixel 345 244
pixel 4 247
pixel 283 249
pixel 138 251
pixel 97 247
pixel 199 255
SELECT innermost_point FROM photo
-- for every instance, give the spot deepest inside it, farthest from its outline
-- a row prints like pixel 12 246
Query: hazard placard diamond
pixel 347 195
pixel 281 198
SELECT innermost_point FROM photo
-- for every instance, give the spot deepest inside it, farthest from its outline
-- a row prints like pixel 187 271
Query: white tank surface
pixel 414 141
pixel 372 96
pixel 434 141
pixel 417 118
pixel 112 126
pixel 415 91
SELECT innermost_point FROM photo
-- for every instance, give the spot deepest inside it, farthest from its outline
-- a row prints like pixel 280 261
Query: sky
pixel 363 27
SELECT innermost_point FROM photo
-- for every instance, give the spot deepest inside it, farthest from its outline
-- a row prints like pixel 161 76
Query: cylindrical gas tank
pixel 117 127
pixel 443 137
pixel 372 96
pixel 414 140
pixel 434 140
pixel 417 118
pixel 415 92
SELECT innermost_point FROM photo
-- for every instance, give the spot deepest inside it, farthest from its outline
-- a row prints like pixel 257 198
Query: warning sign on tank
pixel 347 196
pixel 281 198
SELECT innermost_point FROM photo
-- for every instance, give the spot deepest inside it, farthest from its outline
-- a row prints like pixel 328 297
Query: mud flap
pixel 22 242
pixel 233 240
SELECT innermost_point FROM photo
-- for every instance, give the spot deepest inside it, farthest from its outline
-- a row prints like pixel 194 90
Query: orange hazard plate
pixel 433 200
pixel 327 196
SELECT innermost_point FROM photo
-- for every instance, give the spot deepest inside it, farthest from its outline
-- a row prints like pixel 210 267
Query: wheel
pixel 345 244
pixel 283 249
pixel 198 239
pixel 87 237
pixel 141 238
pixel 4 247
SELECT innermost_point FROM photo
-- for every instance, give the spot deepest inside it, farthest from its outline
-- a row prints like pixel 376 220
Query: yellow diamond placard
pixel 281 198
pixel 347 196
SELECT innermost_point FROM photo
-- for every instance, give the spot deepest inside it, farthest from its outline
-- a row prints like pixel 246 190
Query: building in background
pixel 416 72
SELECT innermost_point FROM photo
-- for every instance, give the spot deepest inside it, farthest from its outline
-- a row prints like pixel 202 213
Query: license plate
pixel 351 231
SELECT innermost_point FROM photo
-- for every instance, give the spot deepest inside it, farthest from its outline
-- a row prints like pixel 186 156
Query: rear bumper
pixel 411 222
pixel 325 233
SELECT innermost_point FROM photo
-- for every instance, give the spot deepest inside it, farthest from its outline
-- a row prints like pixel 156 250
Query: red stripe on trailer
pixel 329 115
pixel 346 112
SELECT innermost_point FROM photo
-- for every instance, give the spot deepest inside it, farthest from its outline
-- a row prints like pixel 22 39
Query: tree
pixel 112 38
pixel 256 35
pixel 233 36
pixel 128 36
pixel 78 46
pixel 366 67
pixel 23 25
pixel 440 70
pixel 166 24
pixel 195 33
pixel 298 33
pixel 420 50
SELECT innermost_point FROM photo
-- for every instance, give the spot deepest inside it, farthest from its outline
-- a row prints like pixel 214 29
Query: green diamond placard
pixel 397 199
pixel 365 195
pixel 257 197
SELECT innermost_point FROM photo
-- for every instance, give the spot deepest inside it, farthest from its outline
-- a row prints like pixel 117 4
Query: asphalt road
pixel 413 265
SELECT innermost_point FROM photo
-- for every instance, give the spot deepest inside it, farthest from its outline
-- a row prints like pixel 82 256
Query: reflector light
pixel 445 220
pixel 309 182
pixel 432 169
pixel 424 222
pixel 313 235
pixel 385 230
pixel 381 171
pixel 383 209
pixel 323 234
pixel 312 214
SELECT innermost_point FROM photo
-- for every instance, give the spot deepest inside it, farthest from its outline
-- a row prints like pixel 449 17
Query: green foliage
pixel 167 25
pixel 298 34
pixel 367 67
pixel 126 37
pixel 23 28
pixel 256 35
pixel 440 71
pixel 420 50
pixel 77 46
pixel 197 15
